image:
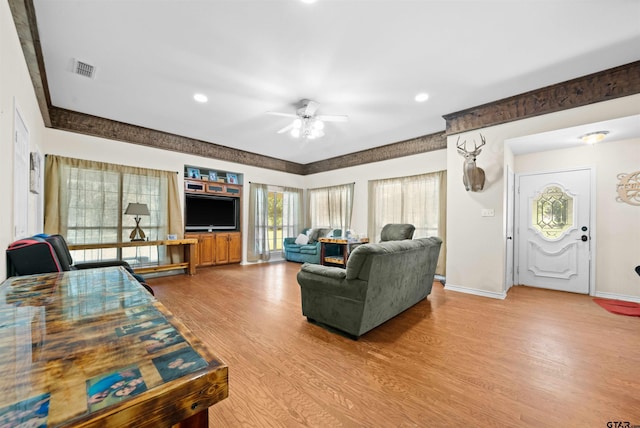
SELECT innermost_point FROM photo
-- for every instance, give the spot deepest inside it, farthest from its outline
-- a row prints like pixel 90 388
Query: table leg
pixel 345 253
pixel 199 420
pixel 192 259
pixel 322 253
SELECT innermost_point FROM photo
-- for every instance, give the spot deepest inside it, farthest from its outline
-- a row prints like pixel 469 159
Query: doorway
pixel 555 230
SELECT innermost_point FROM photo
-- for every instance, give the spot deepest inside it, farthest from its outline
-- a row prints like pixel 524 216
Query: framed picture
pixel 213 176
pixel 35 172
pixel 193 173
pixel 232 178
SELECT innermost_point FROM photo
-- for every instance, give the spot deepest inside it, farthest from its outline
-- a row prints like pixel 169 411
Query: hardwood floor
pixel 539 358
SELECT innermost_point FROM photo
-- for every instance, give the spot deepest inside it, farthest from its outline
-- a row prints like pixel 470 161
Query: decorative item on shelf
pixel 137 210
pixel 204 177
pixel 193 173
pixel 232 178
pixel 221 180
pixel 213 176
pixel 473 176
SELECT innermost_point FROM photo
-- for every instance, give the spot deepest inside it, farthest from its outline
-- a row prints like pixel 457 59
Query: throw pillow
pixel 313 235
pixel 302 239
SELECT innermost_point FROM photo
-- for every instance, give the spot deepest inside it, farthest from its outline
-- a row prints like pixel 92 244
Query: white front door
pixel 554 230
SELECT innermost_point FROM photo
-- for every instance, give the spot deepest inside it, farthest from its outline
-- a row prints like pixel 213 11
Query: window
pixel 274 222
pixel 274 213
pixel 331 207
pixel 552 213
pixel 418 200
pixel 92 198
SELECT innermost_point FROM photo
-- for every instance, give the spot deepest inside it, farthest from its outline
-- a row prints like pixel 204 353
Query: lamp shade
pixel 137 209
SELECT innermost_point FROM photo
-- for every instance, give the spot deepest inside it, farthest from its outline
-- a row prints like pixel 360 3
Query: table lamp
pixel 137 210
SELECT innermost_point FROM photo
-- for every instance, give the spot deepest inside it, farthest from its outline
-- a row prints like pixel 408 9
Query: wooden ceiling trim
pixel 414 146
pixel 605 85
pixel 24 17
pixel 81 123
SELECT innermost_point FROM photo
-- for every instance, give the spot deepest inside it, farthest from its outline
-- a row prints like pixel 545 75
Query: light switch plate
pixel 487 212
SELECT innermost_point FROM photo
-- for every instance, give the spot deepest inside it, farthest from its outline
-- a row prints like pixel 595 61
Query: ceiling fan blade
pixel 333 118
pixel 286 128
pixel 309 108
pixel 277 113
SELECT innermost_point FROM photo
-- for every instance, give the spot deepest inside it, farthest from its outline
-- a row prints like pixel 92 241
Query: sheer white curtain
pixel 258 233
pixel 330 207
pixel 419 200
pixel 292 213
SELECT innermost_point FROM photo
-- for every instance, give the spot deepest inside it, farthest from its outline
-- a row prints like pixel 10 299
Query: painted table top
pixel 93 348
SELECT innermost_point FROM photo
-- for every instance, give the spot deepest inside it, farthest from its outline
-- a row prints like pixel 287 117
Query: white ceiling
pixel 364 59
pixel 623 128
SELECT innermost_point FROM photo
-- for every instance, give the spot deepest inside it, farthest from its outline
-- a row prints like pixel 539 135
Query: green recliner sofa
pixel 380 281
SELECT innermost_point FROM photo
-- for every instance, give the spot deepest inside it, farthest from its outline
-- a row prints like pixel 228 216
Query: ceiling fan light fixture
pixel 295 133
pixel 593 137
pixel 297 124
pixel 318 125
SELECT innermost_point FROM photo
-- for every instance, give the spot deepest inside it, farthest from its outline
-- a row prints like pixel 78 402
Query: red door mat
pixel 619 306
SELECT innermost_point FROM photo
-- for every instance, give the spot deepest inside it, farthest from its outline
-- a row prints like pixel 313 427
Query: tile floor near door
pixel 539 358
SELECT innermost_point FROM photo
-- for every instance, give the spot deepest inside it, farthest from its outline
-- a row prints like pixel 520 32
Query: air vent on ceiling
pixel 84 69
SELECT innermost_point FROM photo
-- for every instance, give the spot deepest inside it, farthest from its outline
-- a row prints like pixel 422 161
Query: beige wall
pixel 100 149
pixel 475 257
pixel 476 245
pixel 360 175
pixel 15 90
pixel 617 224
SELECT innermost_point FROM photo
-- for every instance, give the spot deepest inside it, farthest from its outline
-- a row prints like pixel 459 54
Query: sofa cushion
pixel 396 232
pixel 302 239
pixel 292 248
pixel 309 249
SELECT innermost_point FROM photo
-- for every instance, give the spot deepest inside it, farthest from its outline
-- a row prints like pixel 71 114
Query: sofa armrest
pixel 289 241
pixel 327 271
pixel 329 281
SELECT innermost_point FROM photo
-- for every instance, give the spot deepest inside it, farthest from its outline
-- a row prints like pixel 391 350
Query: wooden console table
pixel 190 253
pixel 92 348
pixel 345 244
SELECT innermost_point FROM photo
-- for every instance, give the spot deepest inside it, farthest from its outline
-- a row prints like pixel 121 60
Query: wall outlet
pixel 487 212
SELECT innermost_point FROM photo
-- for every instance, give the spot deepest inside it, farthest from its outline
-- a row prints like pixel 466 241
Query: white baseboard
pixel 624 297
pixel 483 293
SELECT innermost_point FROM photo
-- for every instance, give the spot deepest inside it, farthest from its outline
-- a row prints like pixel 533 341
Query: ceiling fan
pixel 306 123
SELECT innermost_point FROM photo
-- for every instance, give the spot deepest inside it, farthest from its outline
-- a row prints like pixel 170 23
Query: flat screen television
pixel 208 212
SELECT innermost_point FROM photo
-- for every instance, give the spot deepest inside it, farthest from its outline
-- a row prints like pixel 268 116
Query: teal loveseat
pixel 310 252
pixel 380 281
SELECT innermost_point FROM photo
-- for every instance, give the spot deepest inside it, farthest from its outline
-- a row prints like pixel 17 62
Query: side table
pixel 346 245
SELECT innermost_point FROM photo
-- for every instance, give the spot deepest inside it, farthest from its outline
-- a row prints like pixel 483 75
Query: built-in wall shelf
pixel 192 185
pixel 212 175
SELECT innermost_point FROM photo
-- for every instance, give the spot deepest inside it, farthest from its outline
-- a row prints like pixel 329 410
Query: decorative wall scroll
pixel 629 188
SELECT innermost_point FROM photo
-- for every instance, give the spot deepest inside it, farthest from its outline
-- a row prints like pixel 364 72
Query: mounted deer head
pixel 473 177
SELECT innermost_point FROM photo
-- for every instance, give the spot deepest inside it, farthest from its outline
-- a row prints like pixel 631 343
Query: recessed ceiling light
pixel 422 97
pixel 308 1
pixel 201 98
pixel 594 137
